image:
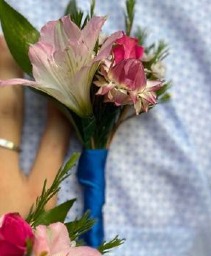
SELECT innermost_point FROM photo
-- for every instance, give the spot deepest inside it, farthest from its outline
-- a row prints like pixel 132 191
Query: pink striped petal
pixel 52 239
pixel 18 81
pixel 91 31
pixel 82 251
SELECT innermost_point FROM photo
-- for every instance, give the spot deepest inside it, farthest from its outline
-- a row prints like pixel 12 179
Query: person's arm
pixel 17 191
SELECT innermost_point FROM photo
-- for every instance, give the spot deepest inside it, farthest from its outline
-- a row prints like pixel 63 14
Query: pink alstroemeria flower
pixel 64 62
pixel 126 83
pixel 53 240
pixel 127 48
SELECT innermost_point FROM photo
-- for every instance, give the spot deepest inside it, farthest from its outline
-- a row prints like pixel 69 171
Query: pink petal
pixel 60 238
pixel 119 53
pixel 41 240
pixel 63 29
pixel 52 239
pixel 104 88
pixel 118 97
pixel 66 31
pixel 83 251
pixel 91 31
pixel 126 48
pixel 41 58
pixel 18 81
pixel 2 220
pixel 47 33
pixel 71 29
pixel 106 48
pixel 153 85
pixel 150 97
pixel 130 74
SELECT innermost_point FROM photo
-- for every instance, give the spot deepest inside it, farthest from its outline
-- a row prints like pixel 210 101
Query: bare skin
pixel 17 191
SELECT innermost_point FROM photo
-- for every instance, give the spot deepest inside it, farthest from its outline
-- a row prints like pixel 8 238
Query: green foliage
pixel 107 246
pixel 161 50
pixel 75 14
pixel 79 226
pixel 38 211
pixel 56 214
pixel 78 16
pixel 106 115
pixel 162 93
pixel 129 15
pixel 92 8
pixel 19 34
pixel 141 34
pixel 29 245
pixel 157 53
pixel 85 127
pixel 164 89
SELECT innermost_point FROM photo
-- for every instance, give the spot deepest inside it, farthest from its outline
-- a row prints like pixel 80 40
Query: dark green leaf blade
pixel 57 214
pixel 85 127
pixel 19 34
pixel 75 13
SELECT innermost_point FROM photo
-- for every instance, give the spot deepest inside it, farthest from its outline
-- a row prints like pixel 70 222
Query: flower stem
pixel 121 119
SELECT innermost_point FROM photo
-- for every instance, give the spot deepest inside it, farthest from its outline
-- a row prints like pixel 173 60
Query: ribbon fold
pixel 91 175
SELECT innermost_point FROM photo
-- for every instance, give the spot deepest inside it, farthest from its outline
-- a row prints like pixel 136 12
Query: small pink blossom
pixel 127 48
pixel 125 83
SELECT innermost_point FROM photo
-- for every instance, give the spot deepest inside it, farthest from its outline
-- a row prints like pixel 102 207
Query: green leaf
pixel 78 16
pixel 57 214
pixel 163 89
pixel 165 98
pixel 105 123
pixel 129 15
pixel 29 245
pixel 92 8
pixel 80 226
pixel 141 34
pixel 107 246
pixel 19 34
pixel 163 95
pixel 75 14
pixel 85 127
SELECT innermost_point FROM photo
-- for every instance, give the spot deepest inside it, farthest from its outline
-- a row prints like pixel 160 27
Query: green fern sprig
pixel 47 193
pixel 107 246
pixel 129 15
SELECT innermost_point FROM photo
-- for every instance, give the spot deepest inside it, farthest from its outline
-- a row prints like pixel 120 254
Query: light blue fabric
pixel 159 165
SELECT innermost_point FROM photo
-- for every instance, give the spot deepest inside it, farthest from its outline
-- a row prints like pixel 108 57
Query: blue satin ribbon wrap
pixel 91 175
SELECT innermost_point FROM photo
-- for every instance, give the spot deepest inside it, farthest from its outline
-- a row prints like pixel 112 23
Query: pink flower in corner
pixel 64 62
pixel 53 240
pixel 127 48
pixel 14 233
